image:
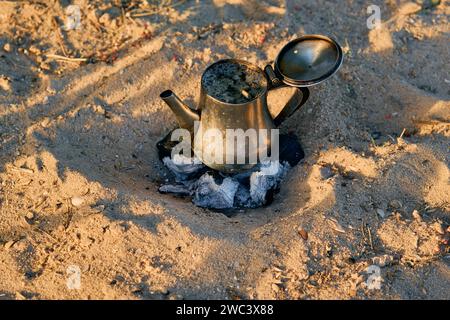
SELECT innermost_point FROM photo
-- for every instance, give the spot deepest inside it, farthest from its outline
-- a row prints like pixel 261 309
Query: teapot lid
pixel 308 60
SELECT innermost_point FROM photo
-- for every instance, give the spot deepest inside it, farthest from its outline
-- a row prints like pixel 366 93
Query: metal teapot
pixel 303 62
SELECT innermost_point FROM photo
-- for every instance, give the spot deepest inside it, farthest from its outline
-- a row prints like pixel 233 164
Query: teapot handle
pixel 294 103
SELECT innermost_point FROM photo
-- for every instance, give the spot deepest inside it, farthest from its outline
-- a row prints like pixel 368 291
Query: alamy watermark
pixel 73 17
pixel 73 281
pixel 374 20
pixel 374 280
pixel 229 146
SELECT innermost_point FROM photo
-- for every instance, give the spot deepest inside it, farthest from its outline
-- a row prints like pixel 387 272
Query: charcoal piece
pixel 270 195
pixel 326 172
pixel 165 146
pixel 178 190
pixel 209 194
pixel 242 199
pixel 244 177
pixel 290 149
pixel 376 135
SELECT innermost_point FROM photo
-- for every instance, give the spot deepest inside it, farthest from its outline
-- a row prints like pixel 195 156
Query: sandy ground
pixel 79 170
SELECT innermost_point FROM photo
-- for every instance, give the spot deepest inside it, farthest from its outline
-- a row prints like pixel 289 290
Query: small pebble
pixel 5 83
pixel 165 292
pixel 383 260
pixel 105 19
pixel 7 47
pixel 416 215
pixel 30 215
pixel 439 228
pixel 77 201
pixel 189 62
pixel 174 296
pixel 381 213
pixel 9 244
pixel 326 172
pixel 275 287
pixel 395 204
pixel 34 50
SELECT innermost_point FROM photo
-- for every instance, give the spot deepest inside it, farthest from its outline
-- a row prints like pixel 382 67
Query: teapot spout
pixel 185 115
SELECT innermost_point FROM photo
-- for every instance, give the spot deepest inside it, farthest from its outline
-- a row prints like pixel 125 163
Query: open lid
pixel 308 60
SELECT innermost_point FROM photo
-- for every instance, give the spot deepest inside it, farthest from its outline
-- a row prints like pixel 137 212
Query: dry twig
pixel 63 58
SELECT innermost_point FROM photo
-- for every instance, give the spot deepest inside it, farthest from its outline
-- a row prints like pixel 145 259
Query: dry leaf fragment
pixel 303 234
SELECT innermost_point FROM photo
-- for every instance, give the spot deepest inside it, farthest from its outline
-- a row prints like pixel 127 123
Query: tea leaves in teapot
pixel 232 82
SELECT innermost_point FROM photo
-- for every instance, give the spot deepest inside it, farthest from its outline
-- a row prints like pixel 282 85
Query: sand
pixel 80 115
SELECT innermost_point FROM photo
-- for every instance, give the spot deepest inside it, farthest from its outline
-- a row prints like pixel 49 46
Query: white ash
pixel 184 168
pixel 270 175
pixel 209 194
pixel 215 191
